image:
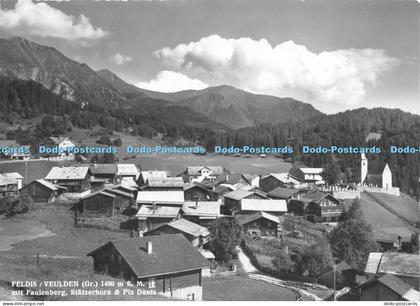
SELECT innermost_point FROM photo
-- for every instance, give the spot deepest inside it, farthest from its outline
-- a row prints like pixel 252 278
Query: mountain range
pixel 77 82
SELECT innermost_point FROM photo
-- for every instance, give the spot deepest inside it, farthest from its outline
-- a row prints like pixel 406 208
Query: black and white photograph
pixel 209 150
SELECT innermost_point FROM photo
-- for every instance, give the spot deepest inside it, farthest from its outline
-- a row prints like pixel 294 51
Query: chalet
pixel 128 171
pixel 405 266
pixel 274 180
pixel 8 187
pixel 252 179
pixel 151 174
pixel 172 198
pixel 249 206
pixel 284 194
pixel 310 176
pixel 10 149
pixel 107 173
pixel 14 176
pixel 103 203
pixel 201 173
pixel 164 184
pixel 387 288
pixel 196 234
pixel 260 224
pixel 75 179
pixel 232 200
pixel 150 216
pixel 375 174
pixel 64 145
pixel 345 276
pixel 202 213
pixel 317 206
pixel 167 263
pixel 43 191
pixel 199 192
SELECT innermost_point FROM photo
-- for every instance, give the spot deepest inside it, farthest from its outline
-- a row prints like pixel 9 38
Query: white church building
pixel 377 176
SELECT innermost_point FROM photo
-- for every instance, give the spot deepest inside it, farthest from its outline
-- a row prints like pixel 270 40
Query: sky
pixel 336 55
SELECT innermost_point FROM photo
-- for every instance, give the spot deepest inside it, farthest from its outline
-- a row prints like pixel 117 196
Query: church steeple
pixel 363 168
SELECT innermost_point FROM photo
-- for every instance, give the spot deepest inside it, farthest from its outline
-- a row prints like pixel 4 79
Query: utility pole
pixel 335 271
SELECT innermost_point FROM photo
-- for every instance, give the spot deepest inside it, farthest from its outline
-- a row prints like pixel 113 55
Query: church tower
pixel 363 169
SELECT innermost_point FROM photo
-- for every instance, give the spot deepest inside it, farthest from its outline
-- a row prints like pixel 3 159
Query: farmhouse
pixel 403 265
pixel 104 172
pixel 150 216
pixel 387 288
pixel 375 174
pixel 317 207
pixel 260 224
pixel 128 171
pixel 8 187
pixel 284 194
pixel 249 206
pixel 202 173
pixel 14 176
pixel 311 176
pixel 151 174
pixel 199 192
pixel 202 213
pixel 64 145
pixel 232 200
pixel 167 263
pixel 274 180
pixel 196 234
pixel 42 191
pixel 75 179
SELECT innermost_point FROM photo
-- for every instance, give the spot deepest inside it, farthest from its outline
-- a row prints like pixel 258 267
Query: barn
pixel 42 191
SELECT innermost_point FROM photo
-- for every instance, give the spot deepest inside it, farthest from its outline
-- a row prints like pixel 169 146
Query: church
pixel 375 175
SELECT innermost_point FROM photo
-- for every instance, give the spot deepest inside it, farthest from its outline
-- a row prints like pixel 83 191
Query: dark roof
pixel 282 193
pixel 392 282
pixel 103 169
pixel 183 226
pixel 171 254
pixel 317 196
pixel 245 219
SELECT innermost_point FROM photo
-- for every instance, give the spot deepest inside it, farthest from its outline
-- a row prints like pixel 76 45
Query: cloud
pixel 170 81
pixel 287 69
pixel 40 19
pixel 120 59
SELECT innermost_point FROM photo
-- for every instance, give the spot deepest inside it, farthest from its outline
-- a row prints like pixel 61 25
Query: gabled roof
pixel 176 197
pixel 128 170
pixel 49 185
pixel 100 192
pixel 240 194
pixel 12 175
pixel 119 192
pixel 245 219
pixel 264 205
pixel 166 182
pixel 203 209
pixel 311 170
pixel 284 177
pixel 282 193
pixel 103 169
pixel 184 226
pixel 395 284
pixel 317 196
pixel 157 211
pixel 195 170
pixel 67 173
pixel 171 254
pixel 146 175
pixel 249 177
pixel 129 183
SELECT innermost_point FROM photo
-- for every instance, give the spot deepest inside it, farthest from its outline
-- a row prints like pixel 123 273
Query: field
pixel 178 163
pixel 35 168
pixel 385 224
pixel 236 288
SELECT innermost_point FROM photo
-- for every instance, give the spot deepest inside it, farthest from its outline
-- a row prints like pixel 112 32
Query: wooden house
pixel 202 213
pixel 310 176
pixel 42 191
pixel 232 200
pixel 168 264
pixel 282 193
pixel 196 234
pixel 151 216
pixel 387 288
pixel 260 224
pixel 274 180
pixel 199 192
pixel 128 171
pixel 151 174
pixel 161 197
pixel 75 179
pixel 250 206
pixel 107 173
pixel 164 184
pixel 202 173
